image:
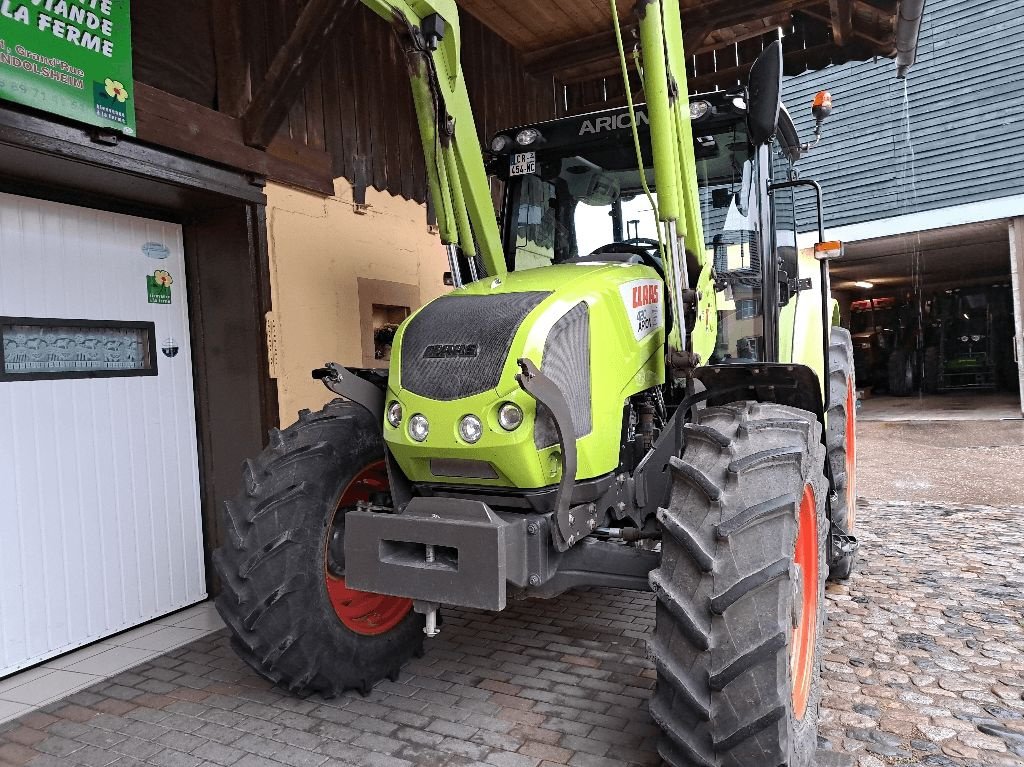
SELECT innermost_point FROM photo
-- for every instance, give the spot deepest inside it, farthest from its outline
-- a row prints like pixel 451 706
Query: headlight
pixel 510 416
pixel 976 338
pixel 527 136
pixel 395 413
pixel 500 143
pixel 964 339
pixel 471 429
pixel 698 109
pixel 419 427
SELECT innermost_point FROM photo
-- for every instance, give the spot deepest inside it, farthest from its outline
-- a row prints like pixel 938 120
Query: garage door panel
pixel 101 525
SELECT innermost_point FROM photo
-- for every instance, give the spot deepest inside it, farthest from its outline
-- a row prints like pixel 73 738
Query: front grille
pixel 567 364
pixel 438 358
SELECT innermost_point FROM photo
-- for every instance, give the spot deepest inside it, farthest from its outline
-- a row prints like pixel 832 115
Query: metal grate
pixel 457 346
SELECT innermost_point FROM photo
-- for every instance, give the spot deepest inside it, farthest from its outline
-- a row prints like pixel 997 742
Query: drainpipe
pixel 908 30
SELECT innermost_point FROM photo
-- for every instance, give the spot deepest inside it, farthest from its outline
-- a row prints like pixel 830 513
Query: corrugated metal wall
pixel 966 119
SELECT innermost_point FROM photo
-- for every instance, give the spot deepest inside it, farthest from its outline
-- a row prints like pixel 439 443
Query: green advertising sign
pixel 69 57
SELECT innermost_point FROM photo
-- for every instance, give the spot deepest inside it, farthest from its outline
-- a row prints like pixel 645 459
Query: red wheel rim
pixel 801 652
pixel 851 457
pixel 363 612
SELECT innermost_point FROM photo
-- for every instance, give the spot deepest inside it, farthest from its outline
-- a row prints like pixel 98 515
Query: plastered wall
pixel 326 260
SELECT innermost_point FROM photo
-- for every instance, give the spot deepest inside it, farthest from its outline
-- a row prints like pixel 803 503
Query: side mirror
pixel 765 95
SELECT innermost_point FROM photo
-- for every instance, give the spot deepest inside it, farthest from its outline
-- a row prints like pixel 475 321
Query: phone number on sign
pixel 21 92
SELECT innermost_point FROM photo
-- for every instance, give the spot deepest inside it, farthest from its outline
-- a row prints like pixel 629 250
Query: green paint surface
pixel 620 366
pixel 71 58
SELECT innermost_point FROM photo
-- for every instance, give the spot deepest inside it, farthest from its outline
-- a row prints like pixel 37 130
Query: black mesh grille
pixel 487 322
pixel 567 363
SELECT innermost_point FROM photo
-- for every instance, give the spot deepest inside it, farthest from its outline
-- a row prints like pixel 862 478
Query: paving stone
pixel 922 666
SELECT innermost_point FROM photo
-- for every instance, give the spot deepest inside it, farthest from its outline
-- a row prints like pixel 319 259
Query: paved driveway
pixel 924 666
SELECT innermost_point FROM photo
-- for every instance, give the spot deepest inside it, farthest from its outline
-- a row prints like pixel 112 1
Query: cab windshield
pixel 591 206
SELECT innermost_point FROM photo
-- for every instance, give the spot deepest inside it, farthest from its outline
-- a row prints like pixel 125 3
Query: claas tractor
pixel 638 381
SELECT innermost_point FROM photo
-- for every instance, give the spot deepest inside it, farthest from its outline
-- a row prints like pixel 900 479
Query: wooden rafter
pixel 824 15
pixel 608 65
pixel 733 21
pixel 291 69
pixel 841 12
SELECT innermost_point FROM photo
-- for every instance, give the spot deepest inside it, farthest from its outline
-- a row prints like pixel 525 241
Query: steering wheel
pixel 641 246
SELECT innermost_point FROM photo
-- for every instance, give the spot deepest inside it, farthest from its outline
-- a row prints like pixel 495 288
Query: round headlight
pixel 395 413
pixel 419 427
pixel 976 338
pixel 698 109
pixel 471 429
pixel 510 416
pixel 527 136
pixel 964 339
pixel 500 143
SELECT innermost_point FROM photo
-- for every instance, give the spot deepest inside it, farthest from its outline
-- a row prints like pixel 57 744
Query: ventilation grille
pixel 487 322
pixel 567 363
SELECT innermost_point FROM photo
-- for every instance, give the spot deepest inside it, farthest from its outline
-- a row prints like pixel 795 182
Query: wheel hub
pixel 801 650
pixel 851 458
pixel 362 612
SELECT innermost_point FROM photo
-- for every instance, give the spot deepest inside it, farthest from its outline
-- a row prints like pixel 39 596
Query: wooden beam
pixel 609 67
pixel 234 79
pixel 841 12
pixel 291 68
pixel 882 47
pixel 585 50
pixel 183 126
pixel 598 52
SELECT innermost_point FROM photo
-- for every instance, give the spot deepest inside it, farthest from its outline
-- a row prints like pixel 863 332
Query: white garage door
pixel 99 490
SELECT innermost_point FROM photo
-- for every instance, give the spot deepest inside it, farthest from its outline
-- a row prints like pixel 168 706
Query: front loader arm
pixel 675 173
pixel 451 147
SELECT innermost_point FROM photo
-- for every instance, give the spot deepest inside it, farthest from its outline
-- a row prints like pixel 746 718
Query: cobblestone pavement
pixel 923 666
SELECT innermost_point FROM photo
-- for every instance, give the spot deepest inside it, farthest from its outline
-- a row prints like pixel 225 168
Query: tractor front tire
pixel 740 591
pixel 841 439
pixel 282 564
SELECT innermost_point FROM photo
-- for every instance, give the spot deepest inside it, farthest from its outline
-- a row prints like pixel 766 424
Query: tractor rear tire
pixel 841 438
pixel 901 373
pixel 282 564
pixel 740 591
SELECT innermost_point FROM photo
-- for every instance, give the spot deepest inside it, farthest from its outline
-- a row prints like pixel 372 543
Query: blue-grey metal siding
pixel 965 100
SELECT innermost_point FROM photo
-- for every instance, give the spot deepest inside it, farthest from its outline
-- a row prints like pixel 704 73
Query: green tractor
pixel 638 382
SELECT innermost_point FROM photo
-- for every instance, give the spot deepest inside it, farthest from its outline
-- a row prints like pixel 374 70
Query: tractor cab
pixel 573 194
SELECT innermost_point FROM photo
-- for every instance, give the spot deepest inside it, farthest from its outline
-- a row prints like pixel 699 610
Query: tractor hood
pixel 597 330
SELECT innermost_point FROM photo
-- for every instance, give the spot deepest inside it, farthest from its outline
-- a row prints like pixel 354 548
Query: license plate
pixel 523 164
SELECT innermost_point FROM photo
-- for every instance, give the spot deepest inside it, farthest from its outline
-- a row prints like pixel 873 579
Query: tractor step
pixel 831 759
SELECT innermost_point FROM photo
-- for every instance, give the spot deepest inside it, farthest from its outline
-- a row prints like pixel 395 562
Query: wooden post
pixel 234 78
pixel 842 21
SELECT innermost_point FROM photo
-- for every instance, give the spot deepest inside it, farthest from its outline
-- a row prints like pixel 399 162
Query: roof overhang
pixel 573 41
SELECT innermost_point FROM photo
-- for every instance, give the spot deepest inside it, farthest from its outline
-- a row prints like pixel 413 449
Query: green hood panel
pixel 596 329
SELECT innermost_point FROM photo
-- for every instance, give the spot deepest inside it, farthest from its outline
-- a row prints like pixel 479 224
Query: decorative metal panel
pixel 100 525
pixel 33 349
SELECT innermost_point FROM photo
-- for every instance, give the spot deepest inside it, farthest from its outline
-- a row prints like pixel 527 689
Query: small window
pixel 386 320
pixel 34 349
